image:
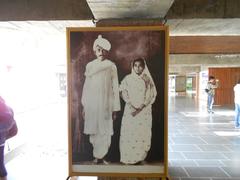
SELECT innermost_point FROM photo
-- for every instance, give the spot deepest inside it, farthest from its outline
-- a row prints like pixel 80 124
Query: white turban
pixel 102 42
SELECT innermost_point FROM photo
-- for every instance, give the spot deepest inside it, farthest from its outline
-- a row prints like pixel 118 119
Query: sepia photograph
pixel 117 100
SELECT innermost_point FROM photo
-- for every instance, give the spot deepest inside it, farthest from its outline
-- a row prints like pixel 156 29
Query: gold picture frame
pixel 150 43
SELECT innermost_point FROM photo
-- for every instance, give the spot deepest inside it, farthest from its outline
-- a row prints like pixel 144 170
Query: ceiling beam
pixel 142 9
pixel 186 9
pixel 24 10
pixel 129 22
pixel 204 44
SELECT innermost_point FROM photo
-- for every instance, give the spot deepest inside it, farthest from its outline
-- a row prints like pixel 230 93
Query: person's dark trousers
pixel 3 171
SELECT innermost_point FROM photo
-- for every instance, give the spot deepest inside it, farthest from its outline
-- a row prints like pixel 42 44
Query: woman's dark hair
pixel 211 77
pixel 141 60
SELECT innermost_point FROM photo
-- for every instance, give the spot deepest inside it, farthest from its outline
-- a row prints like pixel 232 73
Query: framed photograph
pixel 117 101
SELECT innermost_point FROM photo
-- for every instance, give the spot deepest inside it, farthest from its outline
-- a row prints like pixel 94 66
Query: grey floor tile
pixel 204 155
pixel 215 148
pixel 175 178
pixel 177 172
pixel 188 140
pixel 215 140
pixel 170 141
pixel 234 140
pixel 175 155
pixel 174 130
pixel 232 171
pixel 234 156
pixel 231 163
pixel 180 134
pixel 205 172
pixel 208 163
pixel 187 148
pixel 170 148
pixel 195 178
pixel 233 147
pixel 225 178
pixel 195 131
pixel 183 163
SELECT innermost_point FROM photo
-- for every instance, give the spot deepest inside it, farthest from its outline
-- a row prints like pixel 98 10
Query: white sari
pixel 136 131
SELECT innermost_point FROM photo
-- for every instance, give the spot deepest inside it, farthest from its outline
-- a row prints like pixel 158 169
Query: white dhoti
pixel 101 144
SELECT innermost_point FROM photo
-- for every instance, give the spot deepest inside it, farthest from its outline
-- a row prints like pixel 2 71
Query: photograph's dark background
pixel 126 46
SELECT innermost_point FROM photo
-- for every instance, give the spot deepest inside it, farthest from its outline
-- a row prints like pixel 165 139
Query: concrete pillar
pixel 128 22
pixel 203 79
pixel 197 85
pixel 194 85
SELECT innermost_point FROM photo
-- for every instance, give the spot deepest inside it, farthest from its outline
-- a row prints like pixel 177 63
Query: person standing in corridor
pixel 211 86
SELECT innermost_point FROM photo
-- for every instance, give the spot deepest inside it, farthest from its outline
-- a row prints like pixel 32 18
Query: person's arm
pixel 124 94
pixel 123 90
pixel 150 93
pixel 209 87
pixel 216 84
pixel 83 113
pixel 6 113
pixel 115 86
pixel 84 92
pixel 96 69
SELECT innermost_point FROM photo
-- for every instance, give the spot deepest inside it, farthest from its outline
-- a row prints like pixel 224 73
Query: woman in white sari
pixel 139 92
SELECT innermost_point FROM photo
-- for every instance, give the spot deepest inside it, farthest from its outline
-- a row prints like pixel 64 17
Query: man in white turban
pixel 100 99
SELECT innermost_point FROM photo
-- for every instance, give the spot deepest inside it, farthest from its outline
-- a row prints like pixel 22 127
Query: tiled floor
pixel 201 146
